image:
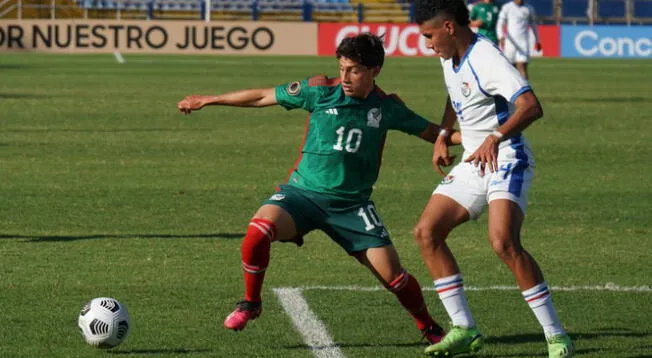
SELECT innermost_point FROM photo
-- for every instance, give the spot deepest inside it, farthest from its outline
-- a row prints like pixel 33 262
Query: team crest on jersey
pixel 294 88
pixel 466 89
pixel 373 117
pixel 277 197
pixel 447 179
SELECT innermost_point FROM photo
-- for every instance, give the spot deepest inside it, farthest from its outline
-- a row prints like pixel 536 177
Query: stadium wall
pixel 191 37
pixel 288 38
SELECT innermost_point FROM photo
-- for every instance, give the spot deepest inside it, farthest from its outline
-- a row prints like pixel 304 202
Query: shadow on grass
pixel 20 96
pixel 357 345
pixel 537 337
pixel 400 345
pixel 13 67
pixel 160 351
pixel 59 238
pixel 513 340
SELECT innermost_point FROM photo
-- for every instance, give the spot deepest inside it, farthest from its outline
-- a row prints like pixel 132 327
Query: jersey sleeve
pixel 297 94
pixel 405 120
pixel 497 77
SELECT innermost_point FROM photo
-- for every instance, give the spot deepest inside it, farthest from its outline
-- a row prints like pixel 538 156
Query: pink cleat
pixel 243 313
pixel 433 334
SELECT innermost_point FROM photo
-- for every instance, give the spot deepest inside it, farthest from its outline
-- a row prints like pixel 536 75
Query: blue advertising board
pixel 606 41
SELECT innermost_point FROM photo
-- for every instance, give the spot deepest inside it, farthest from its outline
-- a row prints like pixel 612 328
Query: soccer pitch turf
pixel 108 191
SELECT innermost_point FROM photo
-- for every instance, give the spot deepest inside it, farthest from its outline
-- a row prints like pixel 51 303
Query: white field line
pixel 605 287
pixel 311 328
pixel 118 57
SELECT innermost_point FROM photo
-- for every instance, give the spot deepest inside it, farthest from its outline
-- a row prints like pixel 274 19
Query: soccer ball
pixel 104 322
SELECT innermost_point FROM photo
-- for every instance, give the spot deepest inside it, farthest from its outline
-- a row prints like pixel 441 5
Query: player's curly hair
pixel 366 49
pixel 425 10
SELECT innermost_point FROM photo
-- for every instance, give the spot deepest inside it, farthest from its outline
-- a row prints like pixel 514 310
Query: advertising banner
pixel 192 37
pixel 406 40
pixel 606 41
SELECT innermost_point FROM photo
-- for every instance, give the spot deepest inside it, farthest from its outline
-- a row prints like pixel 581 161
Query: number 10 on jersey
pixel 370 217
pixel 353 139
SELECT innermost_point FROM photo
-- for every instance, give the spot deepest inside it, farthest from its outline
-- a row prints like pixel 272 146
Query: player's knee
pixel 504 244
pixel 261 230
pixel 429 237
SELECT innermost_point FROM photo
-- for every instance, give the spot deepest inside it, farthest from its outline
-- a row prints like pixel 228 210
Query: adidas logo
pixel 332 111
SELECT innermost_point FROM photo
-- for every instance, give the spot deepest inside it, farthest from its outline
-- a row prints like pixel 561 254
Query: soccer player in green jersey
pixel 330 186
pixel 484 16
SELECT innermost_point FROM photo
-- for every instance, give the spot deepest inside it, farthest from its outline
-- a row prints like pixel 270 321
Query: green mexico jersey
pixel 344 140
pixel 488 14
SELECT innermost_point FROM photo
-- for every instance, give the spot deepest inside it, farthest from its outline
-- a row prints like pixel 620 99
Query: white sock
pixel 451 294
pixel 539 300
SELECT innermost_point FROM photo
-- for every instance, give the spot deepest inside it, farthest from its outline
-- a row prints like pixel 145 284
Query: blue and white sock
pixel 540 301
pixel 451 294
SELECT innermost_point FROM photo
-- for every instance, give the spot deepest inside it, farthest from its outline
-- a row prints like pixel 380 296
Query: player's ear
pixel 375 72
pixel 449 26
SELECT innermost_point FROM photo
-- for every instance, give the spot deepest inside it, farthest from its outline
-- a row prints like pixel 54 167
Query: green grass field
pixel 107 190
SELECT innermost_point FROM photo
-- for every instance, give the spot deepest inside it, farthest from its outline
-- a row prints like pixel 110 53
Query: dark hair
pixel 425 10
pixel 366 49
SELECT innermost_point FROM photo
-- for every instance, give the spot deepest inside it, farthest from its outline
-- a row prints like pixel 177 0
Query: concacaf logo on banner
pixel 406 40
pixel 606 41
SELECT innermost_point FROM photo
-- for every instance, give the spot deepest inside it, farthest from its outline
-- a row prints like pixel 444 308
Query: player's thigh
pixel 505 222
pixel 383 262
pixel 466 192
pixel 509 50
pixel 356 227
pixel 512 181
pixel 507 195
pixel 291 211
pixel 521 52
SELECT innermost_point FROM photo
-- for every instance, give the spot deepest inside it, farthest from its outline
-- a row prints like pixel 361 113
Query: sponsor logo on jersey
pixel 294 88
pixel 447 179
pixel 373 117
pixel 466 89
pixel 277 197
pixel 332 111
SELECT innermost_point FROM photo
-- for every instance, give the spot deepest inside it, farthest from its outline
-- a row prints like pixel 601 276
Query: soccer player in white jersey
pixel 518 17
pixel 493 104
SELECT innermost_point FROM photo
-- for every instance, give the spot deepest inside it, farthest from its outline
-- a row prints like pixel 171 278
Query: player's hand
pixel 190 103
pixel 538 47
pixel 486 156
pixel 501 43
pixel 440 155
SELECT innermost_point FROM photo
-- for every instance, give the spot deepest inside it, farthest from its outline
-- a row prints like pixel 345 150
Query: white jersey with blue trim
pixel 519 19
pixel 482 90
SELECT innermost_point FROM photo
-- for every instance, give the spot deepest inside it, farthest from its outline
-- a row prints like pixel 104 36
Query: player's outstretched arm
pixel 261 97
pixel 535 31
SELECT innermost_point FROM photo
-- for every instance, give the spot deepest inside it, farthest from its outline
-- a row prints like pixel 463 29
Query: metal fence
pixel 629 12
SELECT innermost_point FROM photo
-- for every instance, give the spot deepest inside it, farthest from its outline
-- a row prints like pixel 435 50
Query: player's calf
pixel 408 291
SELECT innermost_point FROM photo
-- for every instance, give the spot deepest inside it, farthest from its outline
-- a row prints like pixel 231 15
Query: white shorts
pixel 465 185
pixel 517 51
